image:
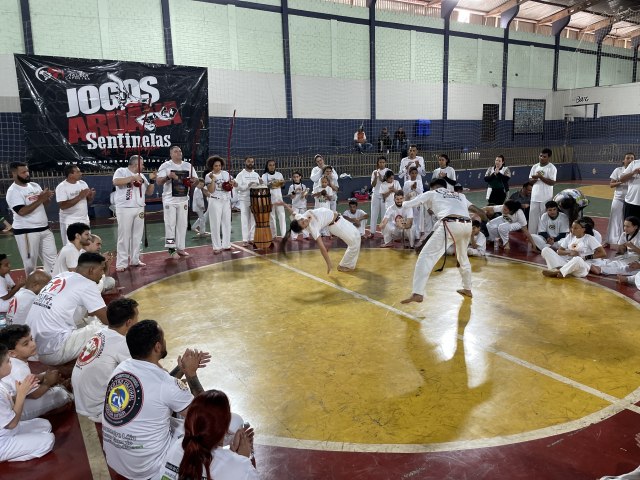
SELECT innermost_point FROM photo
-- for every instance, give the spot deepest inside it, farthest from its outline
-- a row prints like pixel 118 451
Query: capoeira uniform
pixel 502 226
pixel 298 194
pixel 323 201
pixel 616 217
pixel 277 216
pixel 386 188
pixel 316 175
pixel 411 192
pixel 146 422
pixel 480 249
pixel 556 228
pixel 632 198
pixel 31 231
pixel 247 221
pixel 55 397
pixel 453 227
pixel 60 307
pixel 19 306
pixel 572 266
pixel 620 264
pixel 78 213
pixel 67 259
pixel 198 207
pixel 219 211
pixel 175 203
pixel 93 369
pixel 6 284
pixel 391 230
pixel 28 440
pixel 377 202
pixel 406 163
pixel 130 202
pixel 541 193
pixel 357 216
pixel 450 178
pixel 321 218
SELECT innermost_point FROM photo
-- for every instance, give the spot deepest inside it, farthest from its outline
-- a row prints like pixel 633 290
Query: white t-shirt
pixel 129 196
pixel 6 411
pixel 19 371
pixel 621 190
pixel 633 185
pixel 442 203
pixel 409 192
pixel 19 306
pixel 140 399
pixel 406 163
pixel 393 211
pixel 244 180
pixel 518 217
pixel 6 284
pixel 19 195
pixel 323 200
pixel 276 193
pixel 197 205
pixel 316 175
pixel 299 200
pixel 541 192
pixel 174 191
pixel 219 193
pixel 226 465
pixel 621 241
pixel 451 175
pixel 376 187
pixel 93 369
pixel 67 259
pixel 481 243
pixel 80 211
pixel 586 245
pixel 387 187
pixel 319 218
pixel 67 297
pixel 356 216
pixel 554 226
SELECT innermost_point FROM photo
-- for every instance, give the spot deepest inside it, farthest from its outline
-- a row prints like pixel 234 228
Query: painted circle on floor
pixel 336 362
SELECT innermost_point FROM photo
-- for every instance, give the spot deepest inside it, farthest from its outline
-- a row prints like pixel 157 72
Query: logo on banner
pixel 44 74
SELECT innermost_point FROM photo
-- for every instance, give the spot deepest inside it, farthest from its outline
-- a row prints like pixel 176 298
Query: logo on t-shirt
pixel 55 286
pixel 91 350
pixel 124 399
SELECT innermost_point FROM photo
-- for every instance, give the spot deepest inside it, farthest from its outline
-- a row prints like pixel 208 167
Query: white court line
pixel 616 406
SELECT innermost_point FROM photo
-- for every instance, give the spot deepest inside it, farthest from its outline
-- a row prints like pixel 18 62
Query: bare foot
pixel 622 279
pixel 506 247
pixel 345 269
pixel 465 293
pixel 413 298
pixel 595 270
pixel 552 273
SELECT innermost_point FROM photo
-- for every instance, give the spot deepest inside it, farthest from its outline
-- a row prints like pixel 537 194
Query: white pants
pixel 247 222
pixel 392 232
pixel 72 346
pixel 569 266
pixel 130 229
pixel 348 233
pixel 363 227
pixel 536 209
pixel 34 245
pixel 281 220
pixel 620 265
pixel 471 252
pixel 175 225
pixel 305 233
pixel 377 210
pixel 541 242
pixel 201 223
pixel 500 227
pixel 30 439
pixel 53 398
pixel 418 222
pixel 637 280
pixel 616 221
pixel 220 221
pixel 428 221
pixel 456 232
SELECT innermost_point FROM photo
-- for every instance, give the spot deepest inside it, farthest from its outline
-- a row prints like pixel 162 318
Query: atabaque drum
pixel 261 208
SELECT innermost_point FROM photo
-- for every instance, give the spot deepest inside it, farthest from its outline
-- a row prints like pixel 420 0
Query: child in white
pixel 275 181
pixel 198 207
pixel 512 220
pixel 397 222
pixel 412 188
pixel 388 189
pixel 444 171
pixel 20 439
pixel 616 217
pixel 298 194
pixel 323 195
pixel 477 244
pixel 356 216
pixel 8 287
pixel 49 394
pixel 575 254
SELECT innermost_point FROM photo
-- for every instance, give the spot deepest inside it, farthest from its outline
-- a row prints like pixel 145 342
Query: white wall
pixel 613 99
pixel 326 97
pixel 401 100
pixel 465 101
pixel 9 98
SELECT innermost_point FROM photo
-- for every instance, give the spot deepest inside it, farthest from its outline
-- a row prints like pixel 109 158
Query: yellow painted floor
pixel 311 359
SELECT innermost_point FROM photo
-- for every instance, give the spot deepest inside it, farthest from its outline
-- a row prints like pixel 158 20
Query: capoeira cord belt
pixel 444 221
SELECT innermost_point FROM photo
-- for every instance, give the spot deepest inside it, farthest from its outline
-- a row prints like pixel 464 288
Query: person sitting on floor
pixel 397 222
pixel 512 220
pixel 46 397
pixel 79 236
pixel 628 252
pixel 356 216
pixel 8 288
pixel 20 440
pixel 21 302
pixel 553 227
pixel 477 244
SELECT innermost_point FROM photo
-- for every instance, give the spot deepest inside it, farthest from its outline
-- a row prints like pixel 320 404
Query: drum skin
pixel 261 209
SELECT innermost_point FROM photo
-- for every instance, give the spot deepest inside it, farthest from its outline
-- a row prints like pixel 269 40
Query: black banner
pixel 94 112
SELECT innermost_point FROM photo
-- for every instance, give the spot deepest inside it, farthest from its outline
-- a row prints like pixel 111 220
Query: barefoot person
pixel 452 228
pixel 313 221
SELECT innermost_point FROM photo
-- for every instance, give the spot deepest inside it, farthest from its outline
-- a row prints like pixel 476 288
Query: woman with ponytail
pixel 199 453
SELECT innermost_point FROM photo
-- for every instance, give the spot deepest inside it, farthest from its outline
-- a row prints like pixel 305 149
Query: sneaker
pixel 183 253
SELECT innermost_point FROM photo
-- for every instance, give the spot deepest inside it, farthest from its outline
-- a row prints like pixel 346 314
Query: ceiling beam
pixel 496 12
pixel 567 12
pixel 433 3
pixel 604 23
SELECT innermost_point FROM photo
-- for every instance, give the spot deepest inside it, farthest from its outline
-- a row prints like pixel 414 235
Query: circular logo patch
pixel 124 399
pixel 141 215
pixel 186 207
pixel 91 350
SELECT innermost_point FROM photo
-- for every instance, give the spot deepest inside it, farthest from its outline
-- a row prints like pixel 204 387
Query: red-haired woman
pixel 199 454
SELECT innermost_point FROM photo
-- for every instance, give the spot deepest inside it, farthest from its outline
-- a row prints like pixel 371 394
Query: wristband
pixel 588 257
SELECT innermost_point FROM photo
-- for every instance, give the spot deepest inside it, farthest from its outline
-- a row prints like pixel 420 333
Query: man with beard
pixel 73 196
pixel 137 433
pixel 79 236
pixel 246 179
pixel 30 223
